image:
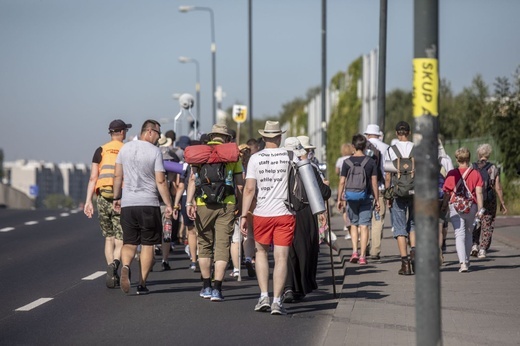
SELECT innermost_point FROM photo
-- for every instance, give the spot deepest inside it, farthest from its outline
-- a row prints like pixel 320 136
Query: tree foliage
pixel 57 201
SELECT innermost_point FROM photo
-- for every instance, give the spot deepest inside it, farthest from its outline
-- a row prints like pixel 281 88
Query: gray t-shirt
pixel 140 160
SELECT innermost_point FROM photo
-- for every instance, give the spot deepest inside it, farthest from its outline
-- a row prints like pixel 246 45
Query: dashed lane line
pixel 29 223
pixel 64 214
pixel 50 218
pixel 94 276
pixel 34 304
pixel 6 229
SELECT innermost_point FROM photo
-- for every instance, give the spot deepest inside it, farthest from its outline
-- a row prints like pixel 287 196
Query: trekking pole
pixel 330 247
pixel 237 225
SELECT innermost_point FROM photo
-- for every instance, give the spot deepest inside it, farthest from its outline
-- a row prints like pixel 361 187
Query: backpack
pixel 487 190
pixel 296 196
pixel 403 180
pixel 462 199
pixel 356 188
pixel 212 183
pixel 376 155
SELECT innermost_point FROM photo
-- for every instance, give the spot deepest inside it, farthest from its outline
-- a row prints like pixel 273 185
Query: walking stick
pixel 330 247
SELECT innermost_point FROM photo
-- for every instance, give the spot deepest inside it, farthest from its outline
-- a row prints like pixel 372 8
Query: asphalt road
pixel 56 258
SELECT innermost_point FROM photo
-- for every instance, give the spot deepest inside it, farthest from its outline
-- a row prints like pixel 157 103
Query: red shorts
pixel 278 230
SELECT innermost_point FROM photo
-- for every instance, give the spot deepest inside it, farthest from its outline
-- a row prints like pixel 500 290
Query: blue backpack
pixel 356 183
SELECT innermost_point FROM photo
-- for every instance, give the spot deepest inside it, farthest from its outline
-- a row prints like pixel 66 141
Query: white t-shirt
pixel 404 147
pixel 140 160
pixel 269 168
pixel 339 162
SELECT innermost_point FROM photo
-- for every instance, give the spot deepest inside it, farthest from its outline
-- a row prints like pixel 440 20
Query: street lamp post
pixel 184 60
pixel 213 54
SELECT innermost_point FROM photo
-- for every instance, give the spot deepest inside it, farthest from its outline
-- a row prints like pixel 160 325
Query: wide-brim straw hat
pixel 219 129
pixel 305 141
pixel 271 129
pixel 164 141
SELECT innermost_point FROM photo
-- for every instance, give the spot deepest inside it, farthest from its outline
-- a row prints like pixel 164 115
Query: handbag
pixel 462 199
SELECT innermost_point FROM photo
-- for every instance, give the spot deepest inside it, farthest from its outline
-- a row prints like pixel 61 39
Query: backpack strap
pixel 365 161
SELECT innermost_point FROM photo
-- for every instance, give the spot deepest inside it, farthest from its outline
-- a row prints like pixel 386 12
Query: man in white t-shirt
pixel 267 173
pixel 402 207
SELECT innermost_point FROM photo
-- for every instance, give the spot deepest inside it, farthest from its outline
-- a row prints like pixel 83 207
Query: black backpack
pixel 487 190
pixel 213 183
pixel 296 196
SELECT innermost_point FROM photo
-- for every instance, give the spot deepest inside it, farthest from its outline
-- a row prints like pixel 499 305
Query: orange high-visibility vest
pixel 107 166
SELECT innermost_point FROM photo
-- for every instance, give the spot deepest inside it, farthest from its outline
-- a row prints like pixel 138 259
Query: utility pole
pixel 425 111
pixel 381 71
pixel 250 53
pixel 324 79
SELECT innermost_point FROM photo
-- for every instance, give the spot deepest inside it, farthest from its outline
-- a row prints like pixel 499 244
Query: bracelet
pixel 177 207
pixel 189 204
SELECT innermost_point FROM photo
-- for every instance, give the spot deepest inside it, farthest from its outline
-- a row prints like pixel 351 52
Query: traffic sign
pixel 239 113
pixel 33 190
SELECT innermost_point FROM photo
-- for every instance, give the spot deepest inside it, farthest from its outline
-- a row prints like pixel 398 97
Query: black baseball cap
pixel 402 126
pixel 118 125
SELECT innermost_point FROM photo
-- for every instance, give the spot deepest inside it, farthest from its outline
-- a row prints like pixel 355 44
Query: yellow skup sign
pixel 425 87
pixel 239 113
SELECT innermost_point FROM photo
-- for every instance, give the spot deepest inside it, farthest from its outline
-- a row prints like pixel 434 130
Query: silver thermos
pixel 310 184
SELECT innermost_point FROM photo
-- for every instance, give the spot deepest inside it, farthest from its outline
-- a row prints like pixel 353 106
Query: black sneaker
pixel 251 272
pixel 112 279
pixel 288 297
pixel 142 290
pixel 166 266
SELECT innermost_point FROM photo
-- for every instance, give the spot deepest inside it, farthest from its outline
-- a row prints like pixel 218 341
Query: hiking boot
pixel 264 304
pixel 142 290
pixel 278 309
pixel 112 279
pixel 405 268
pixel 206 293
pixel 251 272
pixel 125 279
pixel 166 266
pixel 216 295
pixel 482 253
pixel 474 250
pixel 412 260
pixel 354 258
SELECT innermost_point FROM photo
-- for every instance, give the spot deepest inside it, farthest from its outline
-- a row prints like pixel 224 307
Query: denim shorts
pixel 360 212
pixel 402 217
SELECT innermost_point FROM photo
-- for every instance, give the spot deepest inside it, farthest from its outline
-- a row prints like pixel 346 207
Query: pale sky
pixel 69 67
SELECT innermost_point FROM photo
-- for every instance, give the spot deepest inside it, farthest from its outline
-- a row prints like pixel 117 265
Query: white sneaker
pixel 187 250
pixel 463 268
pixel 347 236
pixel 482 253
pixel 474 250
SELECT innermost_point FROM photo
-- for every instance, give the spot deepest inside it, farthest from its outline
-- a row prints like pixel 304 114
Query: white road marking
pixel 64 214
pixel 6 229
pixel 50 218
pixel 29 223
pixel 34 304
pixel 94 276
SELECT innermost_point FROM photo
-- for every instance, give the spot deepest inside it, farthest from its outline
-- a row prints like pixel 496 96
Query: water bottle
pixel 167 230
pixel 229 178
pixel 376 215
pixel 197 180
pixel 478 217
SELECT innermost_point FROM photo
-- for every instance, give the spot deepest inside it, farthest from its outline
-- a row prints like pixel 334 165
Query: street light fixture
pixel 184 60
pixel 184 9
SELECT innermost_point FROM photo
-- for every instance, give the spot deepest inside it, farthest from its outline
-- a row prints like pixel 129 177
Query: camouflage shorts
pixel 109 220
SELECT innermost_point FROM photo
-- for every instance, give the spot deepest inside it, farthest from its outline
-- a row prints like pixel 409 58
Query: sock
pixel 404 258
pixel 117 263
pixel 264 294
pixel 235 269
pixel 206 282
pixel 217 284
pixel 276 300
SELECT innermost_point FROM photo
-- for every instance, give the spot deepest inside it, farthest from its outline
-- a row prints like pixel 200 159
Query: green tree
pixel 57 201
pixel 398 108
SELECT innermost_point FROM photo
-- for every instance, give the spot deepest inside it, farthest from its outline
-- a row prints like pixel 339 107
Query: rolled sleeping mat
pixel 175 167
pixel 310 184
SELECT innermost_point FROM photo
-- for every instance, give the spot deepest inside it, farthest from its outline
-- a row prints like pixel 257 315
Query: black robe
pixel 302 263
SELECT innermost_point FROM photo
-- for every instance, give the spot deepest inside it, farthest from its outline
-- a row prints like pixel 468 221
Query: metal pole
pixel 330 247
pixel 323 79
pixel 426 205
pixel 197 90
pixel 381 71
pixel 213 67
pixel 250 46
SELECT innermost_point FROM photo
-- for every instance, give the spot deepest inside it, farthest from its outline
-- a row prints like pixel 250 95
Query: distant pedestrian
pixel 400 182
pixel 358 183
pixel 101 184
pixel 347 149
pixel 140 165
pixel 492 188
pixel 460 179
pixel 273 222
pixel 373 134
